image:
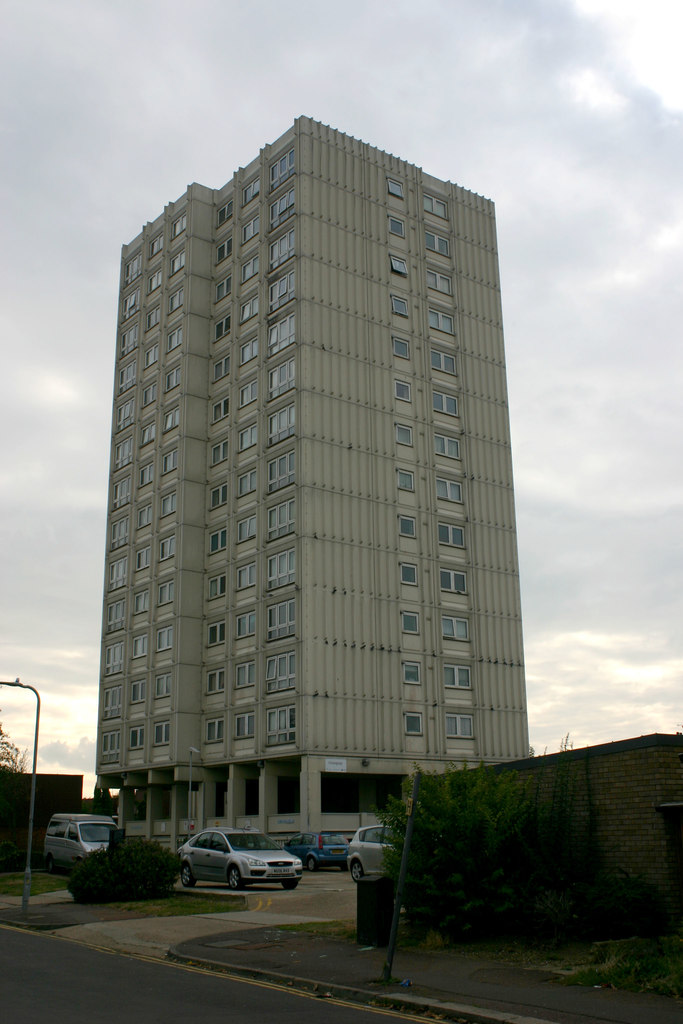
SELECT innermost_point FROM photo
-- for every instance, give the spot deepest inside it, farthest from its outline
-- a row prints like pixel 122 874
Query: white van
pixel 71 837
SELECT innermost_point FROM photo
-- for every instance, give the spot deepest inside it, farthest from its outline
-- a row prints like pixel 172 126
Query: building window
pixel 281 169
pixel 166 592
pixel 281 334
pixel 111 742
pixel 123 453
pixel 397 227
pixel 281 379
pixel 176 299
pixel 445 403
pixel 224 249
pixel 116 615
pixel 281 724
pixel 112 702
pixel 459 725
pixel 448 446
pixel 137 737
pixel 131 304
pixel 219 452
pixel 400 348
pixel 442 361
pixel 246 483
pixel 154 281
pixel 435 206
pixel 141 602
pixel 402 390
pixel 282 208
pixel 113 659
pixel 410 671
pixel 129 340
pixel 450 490
pixel 220 410
pixel 440 282
pixel 125 414
pixel 248 393
pixel 162 685
pixel 214 730
pixel 457 675
pixel 140 646
pixel 250 191
pixel 217 585
pixel 281 671
pixel 250 268
pixel 405 480
pixel 281 424
pixel 245 624
pixel 404 434
pixel 452 535
pixel 215 633
pixel 126 377
pixel 137 691
pixel 174 339
pixel 250 229
pixel 437 243
pixel 172 379
pixel 149 394
pixel 281 471
pixel 281 569
pixel 281 291
pixel 245 674
pixel 143 558
pixel 248 437
pixel 406 526
pixel 281 519
pixel 281 249
pixel 144 516
pixel 166 548
pixel 395 188
pixel 412 721
pixel 399 306
pixel 248 351
pixel 224 213
pixel 215 681
pixel 171 419
pixel 153 317
pixel 410 622
pixel 169 461
pixel 408 573
pixel 246 529
pixel 177 262
pixel 281 619
pixel 156 245
pixel 221 368
pixel 398 265
pixel 168 503
pixel 441 321
pixel 120 494
pixel 179 225
pixel 219 496
pixel 132 269
pixel 453 628
pixel 148 434
pixel 244 725
pixel 453 581
pixel 162 733
pixel 165 638
pixel 218 541
pixel 224 288
pixel 246 575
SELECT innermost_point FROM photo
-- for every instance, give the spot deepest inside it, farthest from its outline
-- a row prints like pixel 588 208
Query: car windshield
pixel 333 838
pixel 96 832
pixel 252 841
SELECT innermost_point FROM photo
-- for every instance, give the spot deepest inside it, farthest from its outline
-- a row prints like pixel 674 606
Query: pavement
pixel 253 943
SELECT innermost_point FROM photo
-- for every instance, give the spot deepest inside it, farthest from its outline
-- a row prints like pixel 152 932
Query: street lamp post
pixel 29 840
pixel 193 750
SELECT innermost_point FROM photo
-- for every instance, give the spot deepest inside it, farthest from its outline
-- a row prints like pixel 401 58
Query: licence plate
pixel 281 871
pixel 336 849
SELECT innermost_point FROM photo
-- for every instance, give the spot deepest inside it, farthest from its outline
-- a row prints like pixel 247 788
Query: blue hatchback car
pixel 319 849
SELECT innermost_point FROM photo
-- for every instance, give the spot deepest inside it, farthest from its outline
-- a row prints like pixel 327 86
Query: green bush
pixel 619 907
pixel 11 857
pixel 136 870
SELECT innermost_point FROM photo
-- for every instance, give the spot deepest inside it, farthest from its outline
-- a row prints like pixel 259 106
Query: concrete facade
pixel 311 569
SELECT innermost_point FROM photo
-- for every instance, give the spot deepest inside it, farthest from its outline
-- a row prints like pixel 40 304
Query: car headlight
pixel 297 863
pixel 254 862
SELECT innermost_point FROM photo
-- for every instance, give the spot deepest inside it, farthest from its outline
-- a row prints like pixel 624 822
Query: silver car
pixel 366 851
pixel 237 857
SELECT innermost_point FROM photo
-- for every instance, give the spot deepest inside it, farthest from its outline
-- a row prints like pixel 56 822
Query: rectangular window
pixel 156 245
pixel 437 243
pixel 248 437
pixel 153 317
pixel 221 368
pixel 137 691
pixel 215 681
pixel 452 535
pixel 448 446
pixel 281 249
pixel 245 674
pixel 244 725
pixel 248 393
pixel 281 671
pixel 248 351
pixel 224 213
pixel 397 227
pixel 406 526
pixel 412 721
pixel 113 659
pixel 395 188
pixel 281 619
pixel 179 225
pixel 281 334
pixel 281 519
pixel 120 494
pixel 166 548
pixel 402 390
pixel 111 742
pixel 399 306
pixel 410 622
pixel 281 424
pixel 246 575
pixel 246 529
pixel 125 414
pixel 408 573
pixel 140 646
pixel 123 453
pixel 169 461
pixel 168 503
pixel 410 671
pixel 116 615
pixel 154 281
pixel 246 483
pixel 218 541
pixel 174 339
pixel 281 291
pixel 215 633
pixel 457 675
pixel 281 569
pixel 441 321
pixel 451 490
pixel 149 394
pixel 144 516
pixel 440 282
pixel 148 434
pixel 219 452
pixel 453 628
pixel 176 299
pixel 219 496
pixel 442 361
pixel 143 558
pixel 223 288
pixel 162 685
pixel 405 480
pixel 281 169
pixel 251 229
pixel 162 733
pixel 131 304
pixel 126 377
pixel 281 379
pixel 281 471
pixel 217 585
pixel 172 379
pixel 220 410
pixel 445 403
pixel 129 340
pixel 165 638
pixel 245 624
pixel 398 265
pixel 455 582
pixel 459 725
pixel 214 730
pixel 281 724
pixel 435 206
pixel 250 268
pixel 141 602
pixel 112 702
pixel 404 434
pixel 224 249
pixel 166 592
pixel 222 327
pixel 250 191
pixel 132 269
pixel 282 208
pixel 171 419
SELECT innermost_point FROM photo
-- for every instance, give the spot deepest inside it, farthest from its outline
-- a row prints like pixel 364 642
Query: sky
pixel 567 113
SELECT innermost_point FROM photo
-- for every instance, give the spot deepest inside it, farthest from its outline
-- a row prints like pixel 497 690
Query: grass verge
pixel 637 965
pixel 13 885
pixel 182 904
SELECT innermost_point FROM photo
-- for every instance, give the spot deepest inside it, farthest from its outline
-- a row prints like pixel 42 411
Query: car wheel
pixel 290 883
pixel 311 863
pixel 186 876
pixel 356 870
pixel 234 877
pixel 50 864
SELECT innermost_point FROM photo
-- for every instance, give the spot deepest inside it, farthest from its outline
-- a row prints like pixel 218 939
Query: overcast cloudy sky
pixel 567 113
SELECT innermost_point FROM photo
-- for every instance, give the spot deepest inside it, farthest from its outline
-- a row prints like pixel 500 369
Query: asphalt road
pixel 46 978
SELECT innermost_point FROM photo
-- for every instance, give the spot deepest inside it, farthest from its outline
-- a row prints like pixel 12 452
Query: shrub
pixel 136 870
pixel 11 857
pixel 618 907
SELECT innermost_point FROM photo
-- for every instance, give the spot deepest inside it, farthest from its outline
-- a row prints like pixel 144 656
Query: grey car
pixel 237 857
pixel 366 851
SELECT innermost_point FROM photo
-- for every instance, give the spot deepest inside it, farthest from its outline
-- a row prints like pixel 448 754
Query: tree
pixel 13 786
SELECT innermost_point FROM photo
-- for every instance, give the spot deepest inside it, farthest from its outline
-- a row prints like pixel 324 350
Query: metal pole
pixel 29 841
pixel 412 803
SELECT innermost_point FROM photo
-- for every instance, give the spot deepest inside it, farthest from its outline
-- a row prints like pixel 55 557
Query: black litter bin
pixel 374 910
